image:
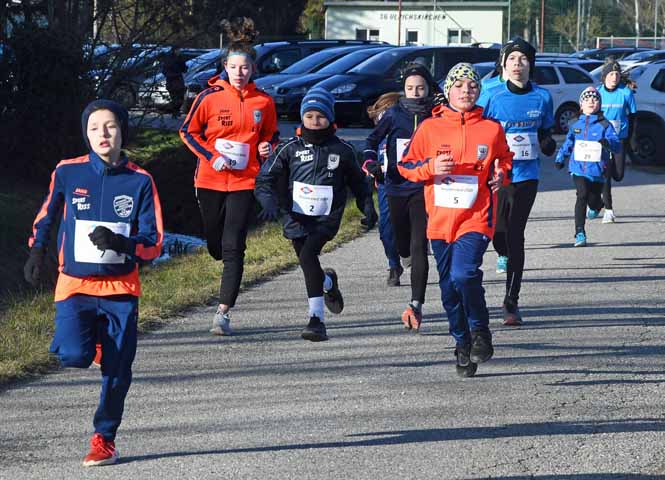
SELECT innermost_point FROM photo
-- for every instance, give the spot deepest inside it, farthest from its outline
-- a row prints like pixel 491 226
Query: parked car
pixel 272 57
pixel 649 132
pixel 288 95
pixel 358 88
pixel 602 53
pixel 642 57
pixel 565 81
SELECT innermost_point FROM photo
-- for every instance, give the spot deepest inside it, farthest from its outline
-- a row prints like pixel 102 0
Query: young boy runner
pixel 588 145
pixel 526 114
pixel 618 105
pixel 462 158
pixel 319 167
pixel 111 221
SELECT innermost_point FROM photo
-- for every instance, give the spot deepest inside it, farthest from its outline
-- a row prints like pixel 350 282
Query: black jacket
pixel 332 163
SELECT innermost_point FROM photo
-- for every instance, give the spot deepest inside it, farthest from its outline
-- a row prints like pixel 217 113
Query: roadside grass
pixel 169 289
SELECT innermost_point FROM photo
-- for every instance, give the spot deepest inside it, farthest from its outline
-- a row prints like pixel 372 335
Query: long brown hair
pixel 240 33
pixel 383 103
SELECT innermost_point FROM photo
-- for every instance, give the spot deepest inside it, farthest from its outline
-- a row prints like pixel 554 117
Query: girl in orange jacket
pixel 231 128
pixel 462 159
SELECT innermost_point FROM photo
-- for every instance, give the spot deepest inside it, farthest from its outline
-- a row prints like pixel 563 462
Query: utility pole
pixel 577 36
pixel 542 25
pixel 655 24
pixel 399 22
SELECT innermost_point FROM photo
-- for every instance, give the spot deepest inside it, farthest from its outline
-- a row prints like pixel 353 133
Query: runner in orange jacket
pixel 231 128
pixel 462 159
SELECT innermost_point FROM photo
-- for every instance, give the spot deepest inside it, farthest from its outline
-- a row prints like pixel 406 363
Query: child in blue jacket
pixel 588 145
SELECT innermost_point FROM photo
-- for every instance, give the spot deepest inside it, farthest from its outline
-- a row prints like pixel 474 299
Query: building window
pixel 459 37
pixel 412 37
pixel 367 34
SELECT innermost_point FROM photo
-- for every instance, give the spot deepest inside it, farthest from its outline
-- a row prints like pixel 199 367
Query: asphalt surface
pixel 576 393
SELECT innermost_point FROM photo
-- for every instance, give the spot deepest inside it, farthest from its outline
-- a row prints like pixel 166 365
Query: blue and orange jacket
pixel 589 128
pixel 87 188
pixel 222 111
pixel 475 143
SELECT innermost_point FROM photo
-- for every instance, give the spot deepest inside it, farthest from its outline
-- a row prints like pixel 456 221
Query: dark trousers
pixel 461 283
pixel 80 321
pixel 588 194
pixel 225 221
pixel 409 219
pixel 308 250
pixel 514 206
pixel 615 171
pixel 386 233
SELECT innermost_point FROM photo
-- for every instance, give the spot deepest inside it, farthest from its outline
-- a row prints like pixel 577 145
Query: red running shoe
pixel 102 452
pixel 412 318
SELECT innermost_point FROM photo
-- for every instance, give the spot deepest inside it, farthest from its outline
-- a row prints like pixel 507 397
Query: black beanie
pixel 118 110
pixel 518 44
pixel 422 71
pixel 611 66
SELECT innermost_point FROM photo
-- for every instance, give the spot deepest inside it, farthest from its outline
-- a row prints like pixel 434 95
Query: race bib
pixel 524 145
pixel 384 155
pixel 312 200
pixel 400 146
pixel 455 191
pixel 617 125
pixel 235 153
pixel 588 151
pixel 86 252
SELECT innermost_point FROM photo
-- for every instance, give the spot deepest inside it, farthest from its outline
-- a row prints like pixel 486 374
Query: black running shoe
pixel 393 276
pixel 464 366
pixel 315 331
pixel 511 315
pixel 333 297
pixel 481 347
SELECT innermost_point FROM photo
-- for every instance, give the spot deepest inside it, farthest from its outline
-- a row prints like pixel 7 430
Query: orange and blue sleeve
pixel 49 211
pixel 414 164
pixel 193 128
pixel 150 233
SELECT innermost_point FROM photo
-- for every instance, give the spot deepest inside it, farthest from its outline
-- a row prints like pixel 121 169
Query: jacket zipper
pixel 316 163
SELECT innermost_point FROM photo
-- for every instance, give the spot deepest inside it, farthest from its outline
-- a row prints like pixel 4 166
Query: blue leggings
pixel 386 233
pixel 460 280
pixel 82 320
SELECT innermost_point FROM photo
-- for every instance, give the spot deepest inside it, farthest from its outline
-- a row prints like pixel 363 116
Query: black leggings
pixel 514 206
pixel 409 220
pixel 308 250
pixel 615 170
pixel 588 193
pixel 225 221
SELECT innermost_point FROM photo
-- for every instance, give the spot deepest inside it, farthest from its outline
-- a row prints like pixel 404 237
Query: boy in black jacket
pixel 319 167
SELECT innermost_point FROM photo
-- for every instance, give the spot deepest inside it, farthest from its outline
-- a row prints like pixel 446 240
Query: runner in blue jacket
pixel 526 114
pixel 588 145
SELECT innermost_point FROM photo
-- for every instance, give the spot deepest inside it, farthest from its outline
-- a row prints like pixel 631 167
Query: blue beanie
pixel 118 110
pixel 321 100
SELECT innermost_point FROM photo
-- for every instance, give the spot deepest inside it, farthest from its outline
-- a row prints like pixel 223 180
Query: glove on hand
pixel 33 267
pixel 548 146
pixel 269 213
pixel 374 169
pixel 105 239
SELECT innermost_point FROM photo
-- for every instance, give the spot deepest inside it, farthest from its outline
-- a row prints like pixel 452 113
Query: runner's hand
pixel 373 168
pixel 219 164
pixel 105 239
pixel 269 213
pixel 33 267
pixel 443 164
pixel 497 181
pixel 265 149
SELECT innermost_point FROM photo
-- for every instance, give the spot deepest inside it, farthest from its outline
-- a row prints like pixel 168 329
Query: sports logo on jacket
pixel 304 155
pixel 123 205
pixel 333 161
pixel 258 115
pixel 482 151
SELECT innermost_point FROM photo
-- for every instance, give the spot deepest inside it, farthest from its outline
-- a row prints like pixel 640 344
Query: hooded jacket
pixel 223 112
pixel 461 202
pixel 90 191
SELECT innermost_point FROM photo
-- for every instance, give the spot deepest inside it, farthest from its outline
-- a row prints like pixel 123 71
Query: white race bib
pixel 400 146
pixel 524 145
pixel 312 200
pixel 617 125
pixel 455 191
pixel 588 151
pixel 86 252
pixel 235 153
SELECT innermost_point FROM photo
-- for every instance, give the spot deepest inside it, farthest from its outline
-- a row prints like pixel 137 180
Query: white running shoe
pixel 221 323
pixel 608 217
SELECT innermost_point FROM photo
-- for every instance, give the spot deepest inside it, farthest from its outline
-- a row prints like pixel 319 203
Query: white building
pixel 427 22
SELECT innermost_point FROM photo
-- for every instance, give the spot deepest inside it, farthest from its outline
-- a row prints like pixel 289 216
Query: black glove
pixel 370 214
pixel 439 99
pixel 33 267
pixel 548 146
pixel 559 165
pixel 374 169
pixel 269 213
pixel 105 239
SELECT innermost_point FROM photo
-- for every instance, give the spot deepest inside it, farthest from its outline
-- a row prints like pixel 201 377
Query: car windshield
pixel 381 63
pixel 309 63
pixel 204 62
pixel 349 61
pixel 639 56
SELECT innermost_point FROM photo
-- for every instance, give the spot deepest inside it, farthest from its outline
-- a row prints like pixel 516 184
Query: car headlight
pixel 298 91
pixel 343 89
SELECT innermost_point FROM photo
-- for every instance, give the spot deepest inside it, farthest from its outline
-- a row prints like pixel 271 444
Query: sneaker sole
pixel 609 221
pixel 468 371
pixel 477 359
pixel 313 337
pixel 582 244
pixel 218 332
pixel 513 322
pixel 101 463
pixel 500 271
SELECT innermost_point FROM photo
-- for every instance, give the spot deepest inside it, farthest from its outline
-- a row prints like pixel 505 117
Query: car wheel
pixel 125 96
pixel 650 148
pixel 565 116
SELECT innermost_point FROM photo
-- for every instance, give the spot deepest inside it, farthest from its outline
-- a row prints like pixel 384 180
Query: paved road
pixel 577 393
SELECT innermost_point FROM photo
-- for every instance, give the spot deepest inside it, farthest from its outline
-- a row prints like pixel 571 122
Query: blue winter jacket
pixel 589 128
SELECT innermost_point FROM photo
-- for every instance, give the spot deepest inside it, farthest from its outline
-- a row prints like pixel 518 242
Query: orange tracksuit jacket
pixel 475 142
pixel 222 111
